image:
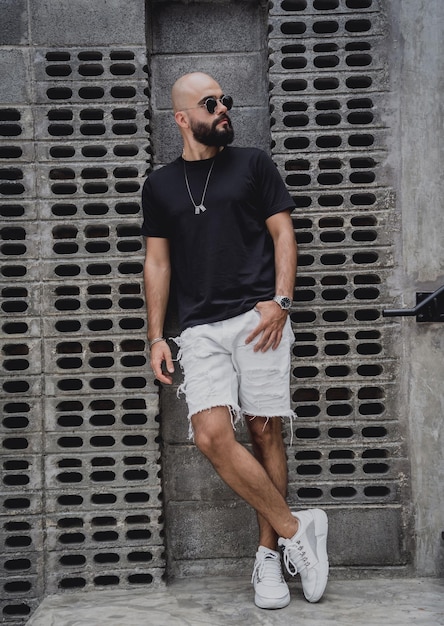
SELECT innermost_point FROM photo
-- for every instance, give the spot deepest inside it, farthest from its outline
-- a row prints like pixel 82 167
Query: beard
pixel 211 135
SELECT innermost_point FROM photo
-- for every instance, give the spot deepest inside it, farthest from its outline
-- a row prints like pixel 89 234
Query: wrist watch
pixel 283 301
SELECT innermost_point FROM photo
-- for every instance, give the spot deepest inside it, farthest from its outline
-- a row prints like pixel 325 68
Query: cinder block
pixel 22 472
pixel 85 326
pixel 367 536
pixel 20 609
pixel 22 563
pixel 187 485
pixel 134 414
pixel 305 25
pixel 245 76
pixel 74 501
pixel 110 382
pixel 21 444
pixel 225 567
pixel 14 22
pixel 174 411
pixel 201 530
pixel 184 28
pixel 132 443
pixel 121 208
pixel 20 587
pixel 307 59
pixel 76 472
pixel 22 533
pixel 112 528
pixel 104 22
pixel 21 415
pixel 16 127
pixel 61 183
pixel 13 77
pixel 17 504
pixel 149 578
pixel 99 64
pixel 100 567
pixel 17 181
pixel 20 357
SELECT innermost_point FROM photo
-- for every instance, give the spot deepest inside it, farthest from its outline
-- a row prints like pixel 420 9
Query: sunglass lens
pixel 227 101
pixel 211 104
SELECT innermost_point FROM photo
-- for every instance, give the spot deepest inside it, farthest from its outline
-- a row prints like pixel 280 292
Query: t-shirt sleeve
pixel 154 223
pixel 274 194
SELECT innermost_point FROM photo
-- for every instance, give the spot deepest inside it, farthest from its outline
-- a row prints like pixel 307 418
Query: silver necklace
pixel 198 208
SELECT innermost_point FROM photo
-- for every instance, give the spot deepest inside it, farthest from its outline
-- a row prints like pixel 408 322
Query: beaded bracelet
pixel 151 343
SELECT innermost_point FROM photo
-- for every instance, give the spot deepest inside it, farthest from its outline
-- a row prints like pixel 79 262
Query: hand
pixel 270 327
pixel 160 353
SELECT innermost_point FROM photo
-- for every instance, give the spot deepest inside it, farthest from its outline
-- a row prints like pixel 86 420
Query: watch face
pixel 285 303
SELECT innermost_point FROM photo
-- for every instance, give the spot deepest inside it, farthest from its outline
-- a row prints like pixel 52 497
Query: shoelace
pixel 268 568
pixel 295 558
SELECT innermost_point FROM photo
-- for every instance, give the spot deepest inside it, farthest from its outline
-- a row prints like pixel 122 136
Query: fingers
pixel 161 356
pixel 269 339
pixel 270 336
pixel 269 330
pixel 254 333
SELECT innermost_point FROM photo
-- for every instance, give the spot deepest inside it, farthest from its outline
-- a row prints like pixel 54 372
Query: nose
pixel 221 108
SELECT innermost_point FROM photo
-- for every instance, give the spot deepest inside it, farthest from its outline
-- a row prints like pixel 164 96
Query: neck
pixel 199 152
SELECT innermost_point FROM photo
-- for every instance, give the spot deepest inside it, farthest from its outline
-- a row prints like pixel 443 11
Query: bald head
pixel 191 88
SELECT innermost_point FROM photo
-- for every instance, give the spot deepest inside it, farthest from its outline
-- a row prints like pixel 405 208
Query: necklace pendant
pixel 199 209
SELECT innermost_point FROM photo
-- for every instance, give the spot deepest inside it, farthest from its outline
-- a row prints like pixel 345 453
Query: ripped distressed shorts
pixel 220 369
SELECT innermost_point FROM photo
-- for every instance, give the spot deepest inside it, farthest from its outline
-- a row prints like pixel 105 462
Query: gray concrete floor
pixel 229 601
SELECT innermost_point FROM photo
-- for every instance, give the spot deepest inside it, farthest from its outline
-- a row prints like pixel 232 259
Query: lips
pixel 223 120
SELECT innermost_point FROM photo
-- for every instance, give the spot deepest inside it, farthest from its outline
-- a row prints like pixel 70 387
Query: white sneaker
pixel 306 552
pixel 271 590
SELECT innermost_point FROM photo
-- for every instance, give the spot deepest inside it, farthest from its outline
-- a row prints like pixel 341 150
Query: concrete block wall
pixel 80 464
pixel 332 132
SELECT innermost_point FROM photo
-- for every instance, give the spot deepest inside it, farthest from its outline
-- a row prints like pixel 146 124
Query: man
pixel 218 228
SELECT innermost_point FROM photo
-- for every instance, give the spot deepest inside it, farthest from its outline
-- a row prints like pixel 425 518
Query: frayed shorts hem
pixel 290 415
pixel 236 414
pixel 234 410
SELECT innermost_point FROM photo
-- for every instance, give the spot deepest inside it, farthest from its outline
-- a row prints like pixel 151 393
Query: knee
pixel 211 441
pixel 204 441
pixel 265 432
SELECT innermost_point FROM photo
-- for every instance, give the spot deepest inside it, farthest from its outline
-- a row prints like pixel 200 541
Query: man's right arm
pixel 157 275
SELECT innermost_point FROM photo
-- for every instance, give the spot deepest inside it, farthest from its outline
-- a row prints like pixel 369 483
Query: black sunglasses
pixel 211 103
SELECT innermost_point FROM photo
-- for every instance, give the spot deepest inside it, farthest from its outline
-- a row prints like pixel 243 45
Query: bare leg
pixel 269 450
pixel 213 434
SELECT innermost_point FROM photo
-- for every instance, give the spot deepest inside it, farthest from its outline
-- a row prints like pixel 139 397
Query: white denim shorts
pixel 220 369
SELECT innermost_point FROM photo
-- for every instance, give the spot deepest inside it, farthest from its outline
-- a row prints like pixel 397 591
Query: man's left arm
pixel 273 318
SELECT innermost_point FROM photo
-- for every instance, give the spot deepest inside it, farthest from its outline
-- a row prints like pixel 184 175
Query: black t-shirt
pixel 222 259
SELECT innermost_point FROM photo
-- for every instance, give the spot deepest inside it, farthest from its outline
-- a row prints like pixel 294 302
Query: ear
pixel 181 119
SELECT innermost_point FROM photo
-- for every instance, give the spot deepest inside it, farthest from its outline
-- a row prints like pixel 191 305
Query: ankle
pixel 291 529
pixel 269 545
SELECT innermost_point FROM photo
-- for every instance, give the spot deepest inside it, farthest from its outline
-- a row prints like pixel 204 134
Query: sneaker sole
pixel 321 531
pixel 272 603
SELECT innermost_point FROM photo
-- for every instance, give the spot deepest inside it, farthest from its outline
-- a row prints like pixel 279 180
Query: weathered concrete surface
pixel 13 77
pixel 104 22
pixel 14 24
pixel 223 601
pixel 418 48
